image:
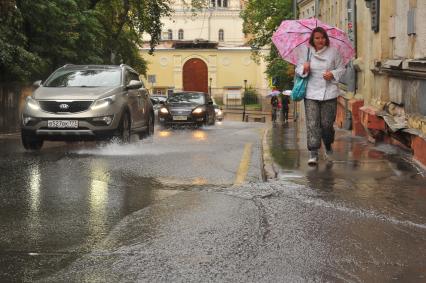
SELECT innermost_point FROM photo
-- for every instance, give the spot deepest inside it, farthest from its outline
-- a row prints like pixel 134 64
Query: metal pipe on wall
pixel 317 8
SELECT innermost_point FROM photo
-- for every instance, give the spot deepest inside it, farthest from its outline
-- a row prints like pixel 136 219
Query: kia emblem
pixel 64 106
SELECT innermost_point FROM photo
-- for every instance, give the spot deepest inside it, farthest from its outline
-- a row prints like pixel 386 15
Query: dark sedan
pixel 187 107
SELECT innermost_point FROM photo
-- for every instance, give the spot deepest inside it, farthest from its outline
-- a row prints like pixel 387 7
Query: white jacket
pixel 322 60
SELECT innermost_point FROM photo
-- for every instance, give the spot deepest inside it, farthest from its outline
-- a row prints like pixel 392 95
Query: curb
pixel 9 135
pixel 268 171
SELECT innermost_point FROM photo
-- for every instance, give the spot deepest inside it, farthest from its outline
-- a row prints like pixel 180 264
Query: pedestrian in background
pixel 274 105
pixel 285 101
pixel 324 69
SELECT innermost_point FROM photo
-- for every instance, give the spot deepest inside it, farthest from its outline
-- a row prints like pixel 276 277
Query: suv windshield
pixel 85 78
pixel 186 97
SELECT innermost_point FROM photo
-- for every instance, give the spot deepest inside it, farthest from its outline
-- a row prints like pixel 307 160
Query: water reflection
pixel 34 221
pixel 199 135
pixel 98 197
pixel 164 134
pixel 35 180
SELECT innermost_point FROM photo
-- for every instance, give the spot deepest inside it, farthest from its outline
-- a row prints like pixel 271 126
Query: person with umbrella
pixel 320 53
pixel 274 103
pixel 285 101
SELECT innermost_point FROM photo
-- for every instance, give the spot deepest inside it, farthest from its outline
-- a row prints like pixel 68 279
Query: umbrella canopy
pixel 274 93
pixel 292 37
pixel 287 92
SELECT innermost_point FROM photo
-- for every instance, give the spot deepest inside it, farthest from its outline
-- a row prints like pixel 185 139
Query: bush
pixel 250 96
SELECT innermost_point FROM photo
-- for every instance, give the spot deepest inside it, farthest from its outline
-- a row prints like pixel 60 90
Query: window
pixel 221 35
pixel 180 34
pixel 219 3
pixel 169 34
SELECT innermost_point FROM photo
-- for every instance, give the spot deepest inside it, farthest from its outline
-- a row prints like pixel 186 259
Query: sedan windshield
pixel 187 97
pixel 85 78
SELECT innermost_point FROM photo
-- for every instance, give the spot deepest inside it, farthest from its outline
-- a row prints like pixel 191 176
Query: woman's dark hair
pixel 323 32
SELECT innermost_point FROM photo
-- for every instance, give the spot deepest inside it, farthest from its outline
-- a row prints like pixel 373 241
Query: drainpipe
pixel 317 8
pixel 294 9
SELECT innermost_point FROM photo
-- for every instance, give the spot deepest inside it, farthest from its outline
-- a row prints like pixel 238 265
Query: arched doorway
pixel 195 75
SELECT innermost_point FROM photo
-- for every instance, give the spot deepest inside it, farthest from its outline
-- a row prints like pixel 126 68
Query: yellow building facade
pixel 213 40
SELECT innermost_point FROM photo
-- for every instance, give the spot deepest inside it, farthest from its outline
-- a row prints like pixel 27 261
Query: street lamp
pixel 210 87
pixel 244 99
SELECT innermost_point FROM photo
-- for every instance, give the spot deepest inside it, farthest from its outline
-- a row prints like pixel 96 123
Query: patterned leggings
pixel 320 116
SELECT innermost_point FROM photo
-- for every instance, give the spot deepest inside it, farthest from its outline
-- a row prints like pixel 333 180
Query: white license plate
pixel 62 124
pixel 180 118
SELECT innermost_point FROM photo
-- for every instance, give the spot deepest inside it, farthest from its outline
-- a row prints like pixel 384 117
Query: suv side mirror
pixel 210 102
pixel 37 84
pixel 134 84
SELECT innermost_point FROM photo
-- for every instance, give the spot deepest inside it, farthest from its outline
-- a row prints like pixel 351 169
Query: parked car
pixel 87 102
pixel 187 107
pixel 218 111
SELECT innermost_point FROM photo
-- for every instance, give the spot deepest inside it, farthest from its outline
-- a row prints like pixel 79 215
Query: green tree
pixel 60 32
pixel 261 19
pixel 16 62
pixel 36 37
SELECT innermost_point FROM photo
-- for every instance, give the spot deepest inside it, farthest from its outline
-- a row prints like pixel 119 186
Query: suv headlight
pixel 103 102
pixel 32 103
pixel 198 110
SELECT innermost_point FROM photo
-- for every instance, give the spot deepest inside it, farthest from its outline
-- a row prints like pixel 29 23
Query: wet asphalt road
pixel 360 219
pixel 59 203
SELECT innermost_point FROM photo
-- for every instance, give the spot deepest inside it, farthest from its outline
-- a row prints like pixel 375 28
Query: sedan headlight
pixel 164 110
pixel 104 102
pixel 32 103
pixel 198 110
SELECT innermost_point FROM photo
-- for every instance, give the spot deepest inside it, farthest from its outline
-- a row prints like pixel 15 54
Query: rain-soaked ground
pixel 56 204
pixel 361 218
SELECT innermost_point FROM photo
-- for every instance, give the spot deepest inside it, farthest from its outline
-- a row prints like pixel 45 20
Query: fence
pixel 254 99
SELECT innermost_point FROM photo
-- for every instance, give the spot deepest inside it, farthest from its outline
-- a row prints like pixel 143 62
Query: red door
pixel 195 76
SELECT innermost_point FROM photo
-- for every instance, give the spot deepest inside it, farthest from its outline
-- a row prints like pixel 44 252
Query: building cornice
pixel 235 13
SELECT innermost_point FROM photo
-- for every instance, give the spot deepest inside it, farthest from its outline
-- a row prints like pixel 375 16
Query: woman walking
pixel 324 67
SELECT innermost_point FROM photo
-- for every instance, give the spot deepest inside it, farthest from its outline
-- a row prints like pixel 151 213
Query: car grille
pixel 180 112
pixel 61 106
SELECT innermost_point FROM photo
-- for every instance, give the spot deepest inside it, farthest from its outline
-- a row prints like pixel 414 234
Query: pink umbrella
pixel 292 37
pixel 274 93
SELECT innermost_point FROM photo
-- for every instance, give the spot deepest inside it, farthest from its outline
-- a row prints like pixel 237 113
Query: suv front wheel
pixel 31 142
pixel 124 129
pixel 149 128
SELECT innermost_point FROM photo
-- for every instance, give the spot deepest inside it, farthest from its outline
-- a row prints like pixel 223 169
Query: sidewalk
pixel 286 144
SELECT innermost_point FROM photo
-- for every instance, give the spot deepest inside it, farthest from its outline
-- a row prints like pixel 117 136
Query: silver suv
pixel 87 102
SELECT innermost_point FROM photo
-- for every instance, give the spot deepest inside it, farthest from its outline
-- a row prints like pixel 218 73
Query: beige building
pixel 306 9
pixel 204 52
pixel 389 101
